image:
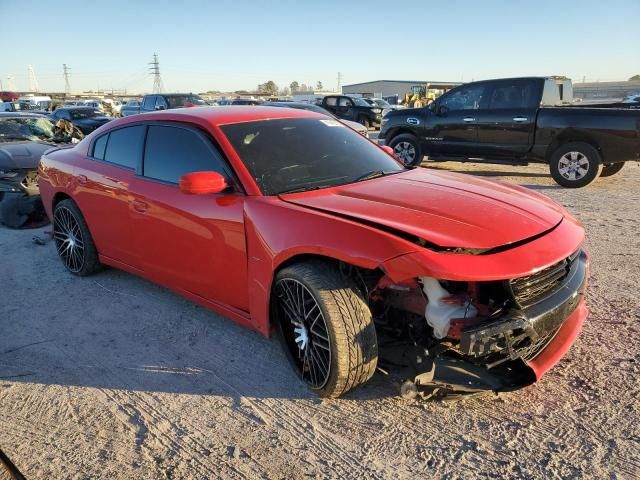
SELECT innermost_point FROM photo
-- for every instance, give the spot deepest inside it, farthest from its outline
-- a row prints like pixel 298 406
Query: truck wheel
pixel 73 240
pixel 575 164
pixel 407 149
pixel 325 326
pixel 364 121
pixel 611 169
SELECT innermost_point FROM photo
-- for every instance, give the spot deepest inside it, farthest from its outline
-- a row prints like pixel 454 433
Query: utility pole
pixel 67 87
pixel 158 87
pixel 339 82
pixel 33 81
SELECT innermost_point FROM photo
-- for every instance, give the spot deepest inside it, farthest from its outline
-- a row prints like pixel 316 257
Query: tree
pixel 634 78
pixel 285 92
pixel 319 85
pixel 269 87
pixel 304 88
pixel 294 86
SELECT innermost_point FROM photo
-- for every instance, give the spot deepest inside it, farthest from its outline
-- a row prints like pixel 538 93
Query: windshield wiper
pixel 14 136
pixel 302 189
pixel 375 174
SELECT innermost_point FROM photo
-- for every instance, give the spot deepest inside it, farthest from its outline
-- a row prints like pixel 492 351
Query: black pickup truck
pixel 355 109
pixel 163 101
pixel 516 121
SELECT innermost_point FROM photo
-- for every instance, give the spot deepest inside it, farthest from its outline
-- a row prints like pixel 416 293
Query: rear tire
pixel 611 169
pixel 407 149
pixel 325 326
pixel 575 164
pixel 73 240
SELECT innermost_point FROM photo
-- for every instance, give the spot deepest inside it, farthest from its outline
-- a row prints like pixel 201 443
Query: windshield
pixel 85 113
pixel 360 102
pixel 297 154
pixel 177 101
pixel 381 103
pixel 32 129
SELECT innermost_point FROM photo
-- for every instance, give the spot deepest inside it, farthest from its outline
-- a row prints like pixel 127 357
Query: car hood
pixel 446 209
pixel 19 155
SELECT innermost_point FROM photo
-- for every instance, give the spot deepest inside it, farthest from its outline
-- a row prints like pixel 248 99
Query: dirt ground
pixel 113 377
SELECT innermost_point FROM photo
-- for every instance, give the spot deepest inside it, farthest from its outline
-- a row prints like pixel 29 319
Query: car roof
pixel 220 115
pixel 76 107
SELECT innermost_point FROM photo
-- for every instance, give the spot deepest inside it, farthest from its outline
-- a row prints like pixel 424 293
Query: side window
pixel 464 98
pixel 332 101
pixel 99 147
pixel 512 95
pixel 124 147
pixel 149 102
pixel 160 102
pixel 170 152
pixel 345 102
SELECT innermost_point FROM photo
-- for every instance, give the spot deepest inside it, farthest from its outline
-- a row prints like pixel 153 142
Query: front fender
pixel 278 231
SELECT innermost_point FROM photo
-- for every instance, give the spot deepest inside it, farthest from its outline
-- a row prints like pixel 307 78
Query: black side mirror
pixel 160 107
pixel 442 110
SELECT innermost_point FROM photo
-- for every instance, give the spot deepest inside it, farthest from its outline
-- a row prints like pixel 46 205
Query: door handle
pixel 520 119
pixel 468 119
pixel 140 206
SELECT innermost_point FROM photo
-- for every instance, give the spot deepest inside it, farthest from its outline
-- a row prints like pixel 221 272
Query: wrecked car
pixel 24 137
pixel 286 221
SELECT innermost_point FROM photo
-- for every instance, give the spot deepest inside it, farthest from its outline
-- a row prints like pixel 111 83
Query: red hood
pixel 447 209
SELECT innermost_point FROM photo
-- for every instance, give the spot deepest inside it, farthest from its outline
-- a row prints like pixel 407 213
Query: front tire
pixel 325 326
pixel 407 149
pixel 364 121
pixel 575 164
pixel 611 169
pixel 73 240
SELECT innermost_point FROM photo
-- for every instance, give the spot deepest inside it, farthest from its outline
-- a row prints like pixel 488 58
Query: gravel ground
pixel 113 377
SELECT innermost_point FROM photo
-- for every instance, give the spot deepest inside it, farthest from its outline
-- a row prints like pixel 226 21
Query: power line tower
pixel 339 82
pixel 33 81
pixel 67 86
pixel 158 87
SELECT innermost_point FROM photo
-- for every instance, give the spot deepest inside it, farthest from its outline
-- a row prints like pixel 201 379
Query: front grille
pixel 526 290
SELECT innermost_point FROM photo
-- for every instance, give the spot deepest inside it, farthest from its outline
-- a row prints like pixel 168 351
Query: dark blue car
pixel 87 119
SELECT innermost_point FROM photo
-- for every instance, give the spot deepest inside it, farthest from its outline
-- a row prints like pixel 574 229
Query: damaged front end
pixel 20 202
pixel 453 337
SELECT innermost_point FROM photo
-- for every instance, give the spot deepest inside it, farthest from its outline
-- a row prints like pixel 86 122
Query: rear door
pixel 454 130
pixel 346 109
pixel 103 194
pixel 507 125
pixel 189 242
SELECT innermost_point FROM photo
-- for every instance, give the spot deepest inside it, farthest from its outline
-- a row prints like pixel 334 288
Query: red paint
pixel 561 343
pixel 200 183
pixel 222 249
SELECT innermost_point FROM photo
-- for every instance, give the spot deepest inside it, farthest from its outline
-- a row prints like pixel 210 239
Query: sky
pixel 234 45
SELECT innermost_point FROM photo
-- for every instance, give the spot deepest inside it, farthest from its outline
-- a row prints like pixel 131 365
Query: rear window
pixel 124 147
pixel 305 153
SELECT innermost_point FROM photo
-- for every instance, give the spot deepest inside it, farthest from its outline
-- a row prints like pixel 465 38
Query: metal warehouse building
pixel 605 90
pixel 389 88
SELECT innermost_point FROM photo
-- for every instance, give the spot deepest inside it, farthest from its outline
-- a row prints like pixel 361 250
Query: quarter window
pixel 171 152
pixel 99 147
pixel 124 147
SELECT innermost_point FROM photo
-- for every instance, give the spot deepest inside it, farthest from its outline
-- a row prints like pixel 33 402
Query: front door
pixel 454 130
pixel 189 242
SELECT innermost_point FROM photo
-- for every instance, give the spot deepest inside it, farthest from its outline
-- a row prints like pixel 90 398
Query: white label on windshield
pixel 332 123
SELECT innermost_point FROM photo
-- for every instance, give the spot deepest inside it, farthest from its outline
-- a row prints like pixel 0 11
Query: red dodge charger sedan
pixel 288 220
